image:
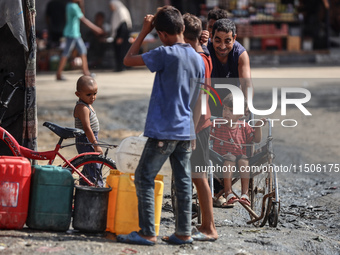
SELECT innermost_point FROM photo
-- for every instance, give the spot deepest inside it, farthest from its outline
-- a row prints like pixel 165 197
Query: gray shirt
pixel 93 118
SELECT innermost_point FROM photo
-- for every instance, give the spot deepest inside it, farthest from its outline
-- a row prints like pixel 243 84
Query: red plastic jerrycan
pixel 15 180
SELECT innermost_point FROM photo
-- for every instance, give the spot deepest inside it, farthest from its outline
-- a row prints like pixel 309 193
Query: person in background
pixel 75 14
pixel 98 43
pixel 121 26
pixel 213 16
pixel 55 19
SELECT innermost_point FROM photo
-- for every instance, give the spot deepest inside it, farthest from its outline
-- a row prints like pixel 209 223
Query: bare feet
pixel 210 232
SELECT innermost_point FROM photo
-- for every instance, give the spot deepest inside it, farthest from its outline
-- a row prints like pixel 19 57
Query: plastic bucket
pixel 90 208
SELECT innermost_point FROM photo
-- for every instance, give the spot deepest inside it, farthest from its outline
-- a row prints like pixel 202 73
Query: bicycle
pixel 75 164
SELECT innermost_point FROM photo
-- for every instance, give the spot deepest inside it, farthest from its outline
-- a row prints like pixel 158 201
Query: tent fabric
pixel 30 108
pixel 11 12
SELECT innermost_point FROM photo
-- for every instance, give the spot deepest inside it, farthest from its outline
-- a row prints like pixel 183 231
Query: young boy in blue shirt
pixel 169 123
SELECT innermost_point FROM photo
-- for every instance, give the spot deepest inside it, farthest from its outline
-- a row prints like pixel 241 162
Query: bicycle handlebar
pixel 4 104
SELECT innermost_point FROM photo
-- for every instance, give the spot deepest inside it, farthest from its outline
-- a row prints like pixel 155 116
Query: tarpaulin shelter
pixel 18 55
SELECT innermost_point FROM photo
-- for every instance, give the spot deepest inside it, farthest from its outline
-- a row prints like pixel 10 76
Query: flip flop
pixel 244 200
pixel 199 236
pixel 173 239
pixel 221 202
pixel 134 238
pixel 231 199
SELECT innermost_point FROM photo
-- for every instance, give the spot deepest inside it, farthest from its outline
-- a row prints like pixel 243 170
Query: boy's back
pixel 169 110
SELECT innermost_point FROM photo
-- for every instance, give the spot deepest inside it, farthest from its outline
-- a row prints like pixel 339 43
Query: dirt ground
pixel 310 201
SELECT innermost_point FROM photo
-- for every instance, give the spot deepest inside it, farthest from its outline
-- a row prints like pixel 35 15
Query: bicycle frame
pixel 19 150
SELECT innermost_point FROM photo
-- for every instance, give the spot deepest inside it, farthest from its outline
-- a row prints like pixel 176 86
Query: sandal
pixel 244 200
pixel 134 238
pixel 231 199
pixel 218 202
pixel 173 239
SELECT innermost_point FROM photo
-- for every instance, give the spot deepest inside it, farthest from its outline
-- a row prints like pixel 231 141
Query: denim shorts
pixel 74 42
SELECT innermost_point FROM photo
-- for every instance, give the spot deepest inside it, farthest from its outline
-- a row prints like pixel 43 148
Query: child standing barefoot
pixel 200 156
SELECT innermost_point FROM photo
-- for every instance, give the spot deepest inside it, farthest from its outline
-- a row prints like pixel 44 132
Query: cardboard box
pixel 293 43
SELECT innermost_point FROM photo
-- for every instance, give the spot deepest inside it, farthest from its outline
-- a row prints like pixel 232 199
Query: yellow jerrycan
pixel 126 219
pixel 112 181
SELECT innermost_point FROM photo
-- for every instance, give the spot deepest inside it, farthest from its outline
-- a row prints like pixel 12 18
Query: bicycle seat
pixel 64 132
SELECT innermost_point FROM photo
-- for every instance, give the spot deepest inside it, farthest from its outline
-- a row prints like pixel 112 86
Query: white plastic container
pixel 129 152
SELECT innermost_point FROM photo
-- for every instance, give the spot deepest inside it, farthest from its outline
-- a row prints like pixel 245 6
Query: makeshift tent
pixel 18 55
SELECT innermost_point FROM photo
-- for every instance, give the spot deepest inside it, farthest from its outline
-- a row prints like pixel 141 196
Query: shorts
pixel 233 158
pixel 74 42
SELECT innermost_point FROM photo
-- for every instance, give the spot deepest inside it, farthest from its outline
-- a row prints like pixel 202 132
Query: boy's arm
pixel 83 113
pixel 245 74
pixel 132 57
pixel 87 22
pixel 92 26
pixel 204 37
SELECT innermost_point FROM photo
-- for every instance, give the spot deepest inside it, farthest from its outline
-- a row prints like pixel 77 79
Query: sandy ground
pixel 310 202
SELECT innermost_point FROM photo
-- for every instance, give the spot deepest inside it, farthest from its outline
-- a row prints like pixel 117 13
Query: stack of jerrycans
pixel 50 198
pixel 122 215
pixel 15 179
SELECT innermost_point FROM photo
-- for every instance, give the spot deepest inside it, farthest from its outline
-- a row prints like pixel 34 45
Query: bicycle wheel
pixel 273 209
pixel 260 186
pixel 273 216
pixel 105 164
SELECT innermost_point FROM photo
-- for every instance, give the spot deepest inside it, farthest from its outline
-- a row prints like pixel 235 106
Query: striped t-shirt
pixel 93 118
